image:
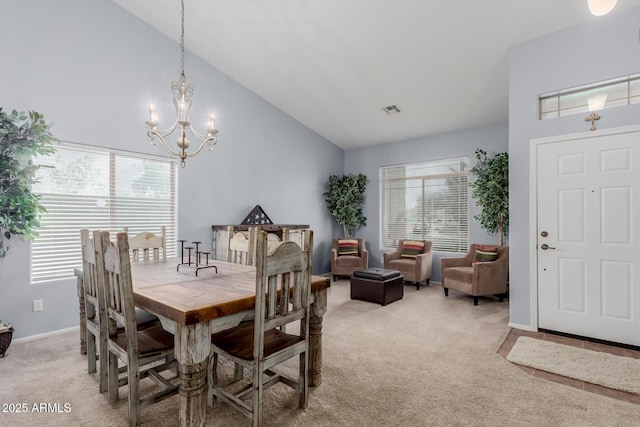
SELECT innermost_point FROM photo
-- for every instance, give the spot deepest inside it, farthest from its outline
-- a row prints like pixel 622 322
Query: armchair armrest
pixel 364 254
pixel 424 263
pixel 454 262
pixel 492 276
pixel 390 256
pixel 333 256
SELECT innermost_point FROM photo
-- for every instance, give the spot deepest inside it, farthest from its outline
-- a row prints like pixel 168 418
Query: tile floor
pixel 593 388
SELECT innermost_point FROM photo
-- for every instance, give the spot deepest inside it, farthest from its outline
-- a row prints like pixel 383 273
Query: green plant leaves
pixel 22 136
pixel 344 197
pixel 491 192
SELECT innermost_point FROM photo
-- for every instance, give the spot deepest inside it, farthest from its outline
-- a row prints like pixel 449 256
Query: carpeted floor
pixel 425 360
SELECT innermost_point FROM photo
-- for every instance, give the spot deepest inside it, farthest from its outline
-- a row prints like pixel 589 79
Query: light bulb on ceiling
pixel 601 7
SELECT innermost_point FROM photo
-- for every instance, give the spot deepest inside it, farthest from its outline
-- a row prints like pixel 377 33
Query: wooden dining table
pixel 194 307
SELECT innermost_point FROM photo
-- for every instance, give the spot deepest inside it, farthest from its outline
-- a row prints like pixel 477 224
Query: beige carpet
pixel 609 370
pixel 425 360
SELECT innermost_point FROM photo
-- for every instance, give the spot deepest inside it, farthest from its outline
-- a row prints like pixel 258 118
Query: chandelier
pixel 182 95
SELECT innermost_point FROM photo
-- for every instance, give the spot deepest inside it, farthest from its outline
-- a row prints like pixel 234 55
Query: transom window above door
pixel 594 97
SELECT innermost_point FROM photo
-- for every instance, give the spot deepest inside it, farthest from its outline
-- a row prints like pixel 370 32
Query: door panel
pixel 588 202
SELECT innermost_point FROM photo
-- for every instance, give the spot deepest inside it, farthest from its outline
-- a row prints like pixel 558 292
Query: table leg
pixel 318 309
pixel 192 346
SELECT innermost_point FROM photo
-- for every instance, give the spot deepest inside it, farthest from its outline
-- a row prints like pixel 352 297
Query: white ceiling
pixel 334 64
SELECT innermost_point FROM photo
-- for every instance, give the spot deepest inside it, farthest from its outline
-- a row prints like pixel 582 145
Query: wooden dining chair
pixel 94 321
pixel 241 247
pixel 148 243
pixel 145 353
pixel 283 281
pixel 94 301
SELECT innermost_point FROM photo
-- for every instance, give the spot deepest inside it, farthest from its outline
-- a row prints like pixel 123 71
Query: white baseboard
pixel 523 327
pixel 46 334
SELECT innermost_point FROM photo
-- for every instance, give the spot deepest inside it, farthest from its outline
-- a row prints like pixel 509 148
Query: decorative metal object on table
pixel 197 263
pixel 6 334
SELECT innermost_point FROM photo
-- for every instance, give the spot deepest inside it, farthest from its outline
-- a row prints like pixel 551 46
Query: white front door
pixel 588 236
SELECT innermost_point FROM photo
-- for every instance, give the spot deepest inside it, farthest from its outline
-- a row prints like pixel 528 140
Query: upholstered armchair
pixel 348 255
pixel 483 271
pixel 412 258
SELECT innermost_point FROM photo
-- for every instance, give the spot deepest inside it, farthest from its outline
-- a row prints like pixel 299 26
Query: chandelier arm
pixel 198 135
pixel 209 141
pixel 155 135
pixel 165 133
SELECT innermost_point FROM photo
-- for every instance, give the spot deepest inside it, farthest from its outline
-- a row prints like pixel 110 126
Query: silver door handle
pixel 544 247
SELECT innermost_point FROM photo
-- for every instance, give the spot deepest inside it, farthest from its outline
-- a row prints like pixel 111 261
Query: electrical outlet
pixel 38 305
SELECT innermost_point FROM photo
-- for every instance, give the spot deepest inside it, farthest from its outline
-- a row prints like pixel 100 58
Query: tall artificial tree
pixel 491 192
pixel 345 197
pixel 22 136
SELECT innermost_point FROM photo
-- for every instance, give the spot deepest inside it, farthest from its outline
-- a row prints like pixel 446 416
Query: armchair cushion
pixel 486 253
pixel 412 248
pixel 347 247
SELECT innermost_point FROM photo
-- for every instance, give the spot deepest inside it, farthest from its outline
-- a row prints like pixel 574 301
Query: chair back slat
pixel 285 294
pixel 89 267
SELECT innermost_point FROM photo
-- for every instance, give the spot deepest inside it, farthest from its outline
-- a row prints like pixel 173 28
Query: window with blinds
pixel 428 201
pixel 93 188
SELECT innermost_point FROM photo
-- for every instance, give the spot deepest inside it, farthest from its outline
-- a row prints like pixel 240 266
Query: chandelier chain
pixel 182 39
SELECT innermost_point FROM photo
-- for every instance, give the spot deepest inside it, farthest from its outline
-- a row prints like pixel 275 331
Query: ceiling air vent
pixel 391 109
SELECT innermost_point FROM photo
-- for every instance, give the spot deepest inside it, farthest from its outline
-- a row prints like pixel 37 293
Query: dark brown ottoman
pixel 377 285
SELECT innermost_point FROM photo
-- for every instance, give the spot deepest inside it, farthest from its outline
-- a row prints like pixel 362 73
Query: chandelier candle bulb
pixel 153 117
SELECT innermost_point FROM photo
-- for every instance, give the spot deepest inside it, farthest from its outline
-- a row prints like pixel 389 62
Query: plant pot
pixel 5 340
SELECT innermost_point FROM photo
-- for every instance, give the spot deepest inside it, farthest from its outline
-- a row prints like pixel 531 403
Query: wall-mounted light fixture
pixel 601 7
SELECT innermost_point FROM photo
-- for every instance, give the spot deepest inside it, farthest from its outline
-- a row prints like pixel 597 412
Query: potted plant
pixel 22 136
pixel 345 197
pixel 491 192
pixel 6 333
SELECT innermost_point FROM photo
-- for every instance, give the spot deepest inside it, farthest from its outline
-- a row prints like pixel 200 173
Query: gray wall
pixel 606 48
pixel 91 68
pixel 492 139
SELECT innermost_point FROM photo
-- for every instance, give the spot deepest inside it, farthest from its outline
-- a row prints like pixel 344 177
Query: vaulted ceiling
pixel 335 64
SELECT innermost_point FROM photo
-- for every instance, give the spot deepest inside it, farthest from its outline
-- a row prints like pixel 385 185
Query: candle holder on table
pixel 197 263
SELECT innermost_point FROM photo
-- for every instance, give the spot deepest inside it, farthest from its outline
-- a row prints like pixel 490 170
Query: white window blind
pixel 98 189
pixel 428 201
